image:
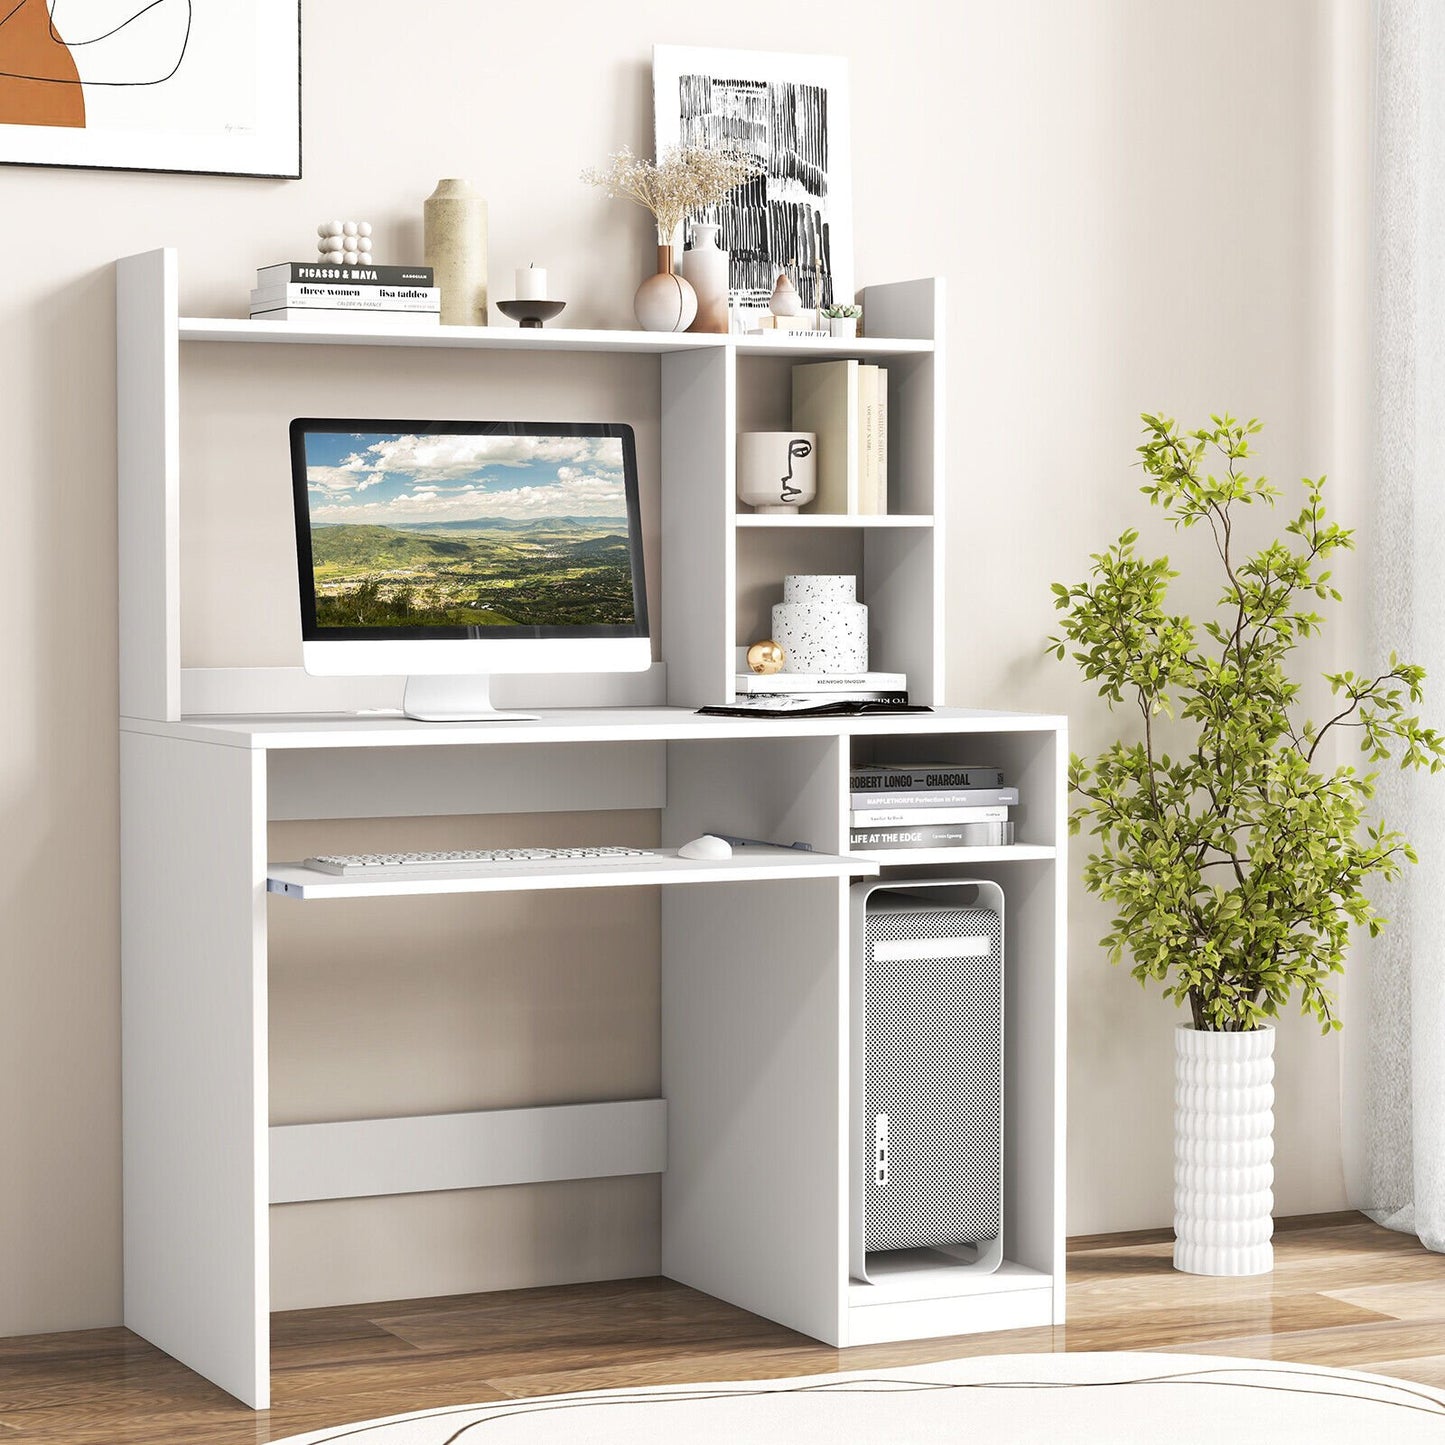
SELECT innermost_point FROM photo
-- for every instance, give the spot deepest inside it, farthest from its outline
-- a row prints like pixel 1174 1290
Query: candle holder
pixel 530 313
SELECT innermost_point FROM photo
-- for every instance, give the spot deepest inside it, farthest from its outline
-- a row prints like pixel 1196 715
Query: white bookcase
pixel 751 1131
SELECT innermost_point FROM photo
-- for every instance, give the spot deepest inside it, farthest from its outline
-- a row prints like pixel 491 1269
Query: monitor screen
pixel 437 530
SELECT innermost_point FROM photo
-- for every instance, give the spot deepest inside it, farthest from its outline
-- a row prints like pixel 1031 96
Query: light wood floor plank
pixel 1344 1292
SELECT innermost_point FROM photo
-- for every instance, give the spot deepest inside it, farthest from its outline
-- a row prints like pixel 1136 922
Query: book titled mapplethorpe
pixel 935 835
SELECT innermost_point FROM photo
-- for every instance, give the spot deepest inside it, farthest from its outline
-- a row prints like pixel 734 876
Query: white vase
pixel 665 302
pixel 1223 1151
pixel 820 625
pixel 777 470
pixel 846 326
pixel 455 246
pixel 706 267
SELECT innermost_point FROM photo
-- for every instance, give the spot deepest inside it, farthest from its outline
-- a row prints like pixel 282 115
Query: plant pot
pixel 1223 1151
pixel 665 302
pixel 777 470
pixel 843 326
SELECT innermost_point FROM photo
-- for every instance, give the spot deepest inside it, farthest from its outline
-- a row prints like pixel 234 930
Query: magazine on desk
pixel 785 705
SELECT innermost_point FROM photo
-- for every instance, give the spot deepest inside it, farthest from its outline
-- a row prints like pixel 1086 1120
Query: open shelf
pixel 785 345
pixel 830 519
pixel 918 1274
pixel 555 338
pixel 916 857
pixel 747 865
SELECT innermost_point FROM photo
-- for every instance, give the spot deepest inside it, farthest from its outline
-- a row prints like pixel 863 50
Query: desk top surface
pixel 566 725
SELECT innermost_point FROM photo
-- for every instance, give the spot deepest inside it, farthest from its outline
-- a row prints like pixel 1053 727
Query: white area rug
pixel 1009 1399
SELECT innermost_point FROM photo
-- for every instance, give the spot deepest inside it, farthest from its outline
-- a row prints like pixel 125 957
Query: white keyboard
pixel 362 865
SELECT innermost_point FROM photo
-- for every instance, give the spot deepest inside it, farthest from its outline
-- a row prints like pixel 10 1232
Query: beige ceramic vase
pixel 665 302
pixel 707 269
pixel 455 224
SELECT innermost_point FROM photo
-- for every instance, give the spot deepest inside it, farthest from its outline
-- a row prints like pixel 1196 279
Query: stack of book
pixel 857 687
pixel 930 805
pixel 845 404
pixel 368 297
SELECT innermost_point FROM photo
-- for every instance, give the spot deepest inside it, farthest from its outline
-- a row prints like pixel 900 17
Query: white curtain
pixel 1394 1082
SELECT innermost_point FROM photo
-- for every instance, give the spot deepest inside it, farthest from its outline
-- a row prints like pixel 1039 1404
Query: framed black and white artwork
pixel 791 112
pixel 205 86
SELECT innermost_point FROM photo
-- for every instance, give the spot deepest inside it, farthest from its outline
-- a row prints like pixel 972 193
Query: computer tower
pixel 927 1070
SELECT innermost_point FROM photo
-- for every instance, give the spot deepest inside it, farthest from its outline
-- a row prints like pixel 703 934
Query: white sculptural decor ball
pixel 344 243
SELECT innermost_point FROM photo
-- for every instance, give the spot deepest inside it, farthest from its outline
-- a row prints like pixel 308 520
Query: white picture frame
pixel 734 99
pixel 194 86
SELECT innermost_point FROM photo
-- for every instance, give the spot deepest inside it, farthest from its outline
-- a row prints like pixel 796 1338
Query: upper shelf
pixel 515 338
pixel 815 520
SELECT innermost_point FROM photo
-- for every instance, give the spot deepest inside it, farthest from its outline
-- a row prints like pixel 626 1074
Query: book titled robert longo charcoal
pixel 935 835
pixel 917 777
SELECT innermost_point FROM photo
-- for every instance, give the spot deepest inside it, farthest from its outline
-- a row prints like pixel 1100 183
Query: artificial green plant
pixel 1235 859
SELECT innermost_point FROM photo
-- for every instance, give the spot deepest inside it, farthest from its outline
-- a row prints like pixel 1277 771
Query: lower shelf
pixel 917 857
pixel 921 1298
pixel 467 1151
pixel 918 1274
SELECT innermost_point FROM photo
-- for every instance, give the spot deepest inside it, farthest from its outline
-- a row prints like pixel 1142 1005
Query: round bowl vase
pixel 455 246
pixel 665 302
pixel 821 626
pixel 777 470
pixel 706 266
pixel 1223 1151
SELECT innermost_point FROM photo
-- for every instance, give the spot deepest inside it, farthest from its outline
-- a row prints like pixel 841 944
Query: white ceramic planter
pixel 777 470
pixel 1223 1151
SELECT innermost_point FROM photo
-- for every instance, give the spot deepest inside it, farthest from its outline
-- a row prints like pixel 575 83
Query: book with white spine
pixel 757 683
pixel 911 817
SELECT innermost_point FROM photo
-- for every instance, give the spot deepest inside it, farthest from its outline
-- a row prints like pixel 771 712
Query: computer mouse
pixel 706 847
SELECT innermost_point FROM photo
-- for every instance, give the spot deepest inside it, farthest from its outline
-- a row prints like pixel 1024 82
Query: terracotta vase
pixel 665 302
pixel 707 269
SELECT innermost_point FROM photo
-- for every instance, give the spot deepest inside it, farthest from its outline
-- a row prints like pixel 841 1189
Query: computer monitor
pixel 449 550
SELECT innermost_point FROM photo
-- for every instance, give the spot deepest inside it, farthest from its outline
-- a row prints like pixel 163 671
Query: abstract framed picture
pixel 205 86
pixel 791 112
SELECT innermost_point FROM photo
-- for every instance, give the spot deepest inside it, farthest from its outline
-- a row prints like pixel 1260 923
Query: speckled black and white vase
pixel 821 626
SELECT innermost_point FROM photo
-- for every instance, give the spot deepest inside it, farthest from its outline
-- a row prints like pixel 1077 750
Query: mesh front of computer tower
pixel 932 1095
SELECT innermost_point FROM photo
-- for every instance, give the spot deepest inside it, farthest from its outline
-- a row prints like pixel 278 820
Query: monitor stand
pixel 455 699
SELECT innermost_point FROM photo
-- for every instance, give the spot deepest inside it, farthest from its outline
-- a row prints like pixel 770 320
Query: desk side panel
pixel 193 1022
pixel 148 478
pixel 753 1008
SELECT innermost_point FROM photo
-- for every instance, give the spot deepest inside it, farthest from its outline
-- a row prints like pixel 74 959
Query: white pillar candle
pixel 531 283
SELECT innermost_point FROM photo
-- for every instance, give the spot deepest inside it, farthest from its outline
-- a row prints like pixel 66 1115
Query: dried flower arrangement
pixel 687 179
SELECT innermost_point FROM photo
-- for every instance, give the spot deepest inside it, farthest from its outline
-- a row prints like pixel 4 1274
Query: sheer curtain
pixel 1394 1083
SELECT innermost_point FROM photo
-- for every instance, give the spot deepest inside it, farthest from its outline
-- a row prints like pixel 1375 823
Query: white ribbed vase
pixel 1223 1151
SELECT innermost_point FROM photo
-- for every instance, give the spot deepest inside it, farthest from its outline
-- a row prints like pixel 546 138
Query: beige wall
pixel 1133 205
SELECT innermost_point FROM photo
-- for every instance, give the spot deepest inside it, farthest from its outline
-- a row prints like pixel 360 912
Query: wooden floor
pixel 1344 1292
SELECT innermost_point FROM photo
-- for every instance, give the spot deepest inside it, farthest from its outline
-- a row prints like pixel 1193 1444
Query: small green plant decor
pixel 1235 862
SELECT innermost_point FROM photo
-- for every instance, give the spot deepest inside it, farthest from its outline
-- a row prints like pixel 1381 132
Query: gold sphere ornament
pixel 765 657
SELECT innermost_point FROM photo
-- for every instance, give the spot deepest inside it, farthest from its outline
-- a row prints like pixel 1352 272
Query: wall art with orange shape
pixel 211 86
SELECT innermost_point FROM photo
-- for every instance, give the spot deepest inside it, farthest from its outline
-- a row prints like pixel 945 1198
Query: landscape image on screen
pixel 468 531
